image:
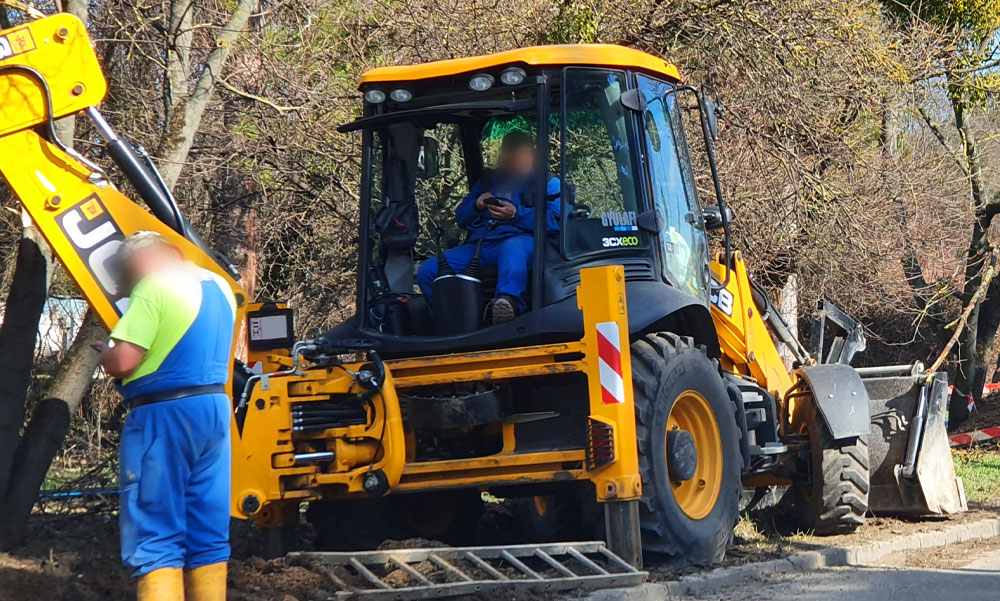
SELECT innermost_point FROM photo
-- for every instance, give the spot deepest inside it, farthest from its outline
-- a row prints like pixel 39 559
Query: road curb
pixel 806 561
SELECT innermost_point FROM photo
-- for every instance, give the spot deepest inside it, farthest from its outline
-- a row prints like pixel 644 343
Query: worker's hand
pixel 481 201
pixel 504 211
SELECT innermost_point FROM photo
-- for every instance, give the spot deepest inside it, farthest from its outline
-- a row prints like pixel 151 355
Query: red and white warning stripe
pixel 609 353
pixel 973 437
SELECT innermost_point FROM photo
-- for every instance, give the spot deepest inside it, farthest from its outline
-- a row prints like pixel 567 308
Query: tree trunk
pixel 967 347
pixel 788 306
pixel 989 323
pixel 18 333
pixel 47 429
pixel 975 263
pixel 238 242
pixel 28 290
pixel 185 110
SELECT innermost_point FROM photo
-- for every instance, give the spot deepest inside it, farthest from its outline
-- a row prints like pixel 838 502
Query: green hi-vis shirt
pixel 184 317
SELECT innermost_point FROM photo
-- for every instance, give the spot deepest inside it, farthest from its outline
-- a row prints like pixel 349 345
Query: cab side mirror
pixel 713 217
pixel 427 158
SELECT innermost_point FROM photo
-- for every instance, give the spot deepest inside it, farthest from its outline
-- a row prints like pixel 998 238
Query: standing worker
pixel 171 350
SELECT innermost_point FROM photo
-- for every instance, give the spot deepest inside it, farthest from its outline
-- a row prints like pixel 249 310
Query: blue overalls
pixel 174 454
pixel 509 246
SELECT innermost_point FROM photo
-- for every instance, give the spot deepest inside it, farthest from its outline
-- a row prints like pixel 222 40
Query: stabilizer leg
pixel 621 519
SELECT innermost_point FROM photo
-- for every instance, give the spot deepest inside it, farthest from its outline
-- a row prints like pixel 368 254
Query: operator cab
pixel 607 126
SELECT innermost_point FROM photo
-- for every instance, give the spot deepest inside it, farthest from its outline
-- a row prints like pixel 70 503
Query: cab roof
pixel 603 55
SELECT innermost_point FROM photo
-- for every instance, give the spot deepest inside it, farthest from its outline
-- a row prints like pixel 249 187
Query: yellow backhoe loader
pixel 637 396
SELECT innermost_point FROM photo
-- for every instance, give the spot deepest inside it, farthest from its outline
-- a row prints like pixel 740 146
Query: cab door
pixel 682 242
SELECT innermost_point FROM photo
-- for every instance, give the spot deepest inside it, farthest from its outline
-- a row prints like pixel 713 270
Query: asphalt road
pixel 977 580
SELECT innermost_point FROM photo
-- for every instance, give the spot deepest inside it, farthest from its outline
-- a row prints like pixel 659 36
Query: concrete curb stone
pixel 805 561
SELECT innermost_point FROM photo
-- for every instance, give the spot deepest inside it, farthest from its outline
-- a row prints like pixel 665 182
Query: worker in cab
pixel 171 351
pixel 500 209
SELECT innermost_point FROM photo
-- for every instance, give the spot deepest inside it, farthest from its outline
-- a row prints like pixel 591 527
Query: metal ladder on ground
pixel 433 573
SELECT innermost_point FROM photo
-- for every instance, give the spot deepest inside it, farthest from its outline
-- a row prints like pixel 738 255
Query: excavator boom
pixel 48 70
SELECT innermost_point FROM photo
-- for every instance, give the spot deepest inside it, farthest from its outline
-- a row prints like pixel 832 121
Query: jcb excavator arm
pixel 48 69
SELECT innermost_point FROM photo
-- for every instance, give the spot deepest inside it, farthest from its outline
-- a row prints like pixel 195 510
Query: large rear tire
pixel 687 511
pixel 837 499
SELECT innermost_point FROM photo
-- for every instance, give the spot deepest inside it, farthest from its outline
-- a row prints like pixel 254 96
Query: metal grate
pixel 400 574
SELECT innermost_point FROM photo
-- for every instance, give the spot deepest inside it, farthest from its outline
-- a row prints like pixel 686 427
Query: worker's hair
pixel 138 241
pixel 517 139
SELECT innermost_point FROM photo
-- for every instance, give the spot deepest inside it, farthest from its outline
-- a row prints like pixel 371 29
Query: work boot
pixel 207 583
pixel 165 584
pixel 504 309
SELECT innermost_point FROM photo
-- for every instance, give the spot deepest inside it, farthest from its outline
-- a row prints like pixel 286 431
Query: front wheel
pixel 689 456
pixel 836 500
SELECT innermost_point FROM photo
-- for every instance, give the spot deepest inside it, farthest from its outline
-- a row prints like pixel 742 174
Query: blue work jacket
pixel 522 194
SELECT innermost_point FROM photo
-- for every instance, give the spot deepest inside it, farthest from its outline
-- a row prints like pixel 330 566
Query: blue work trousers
pixel 511 256
pixel 174 476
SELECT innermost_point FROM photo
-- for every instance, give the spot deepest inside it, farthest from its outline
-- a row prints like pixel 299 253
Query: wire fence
pixel 84 473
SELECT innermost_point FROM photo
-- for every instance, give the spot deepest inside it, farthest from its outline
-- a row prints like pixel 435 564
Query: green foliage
pixel 977 20
pixel 975 26
pixel 576 23
pixel 979 470
pixel 497 128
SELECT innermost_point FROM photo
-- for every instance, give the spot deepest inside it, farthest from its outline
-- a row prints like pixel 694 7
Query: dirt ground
pixel 72 554
pixel 763 540
pixel 987 415
pixel 945 558
pixel 75 557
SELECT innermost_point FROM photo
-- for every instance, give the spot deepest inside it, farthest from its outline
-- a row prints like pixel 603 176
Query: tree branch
pixel 959 324
pixel 186 118
pixel 940 137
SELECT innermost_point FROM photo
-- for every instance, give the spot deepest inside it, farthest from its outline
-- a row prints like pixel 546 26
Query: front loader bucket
pixel 911 465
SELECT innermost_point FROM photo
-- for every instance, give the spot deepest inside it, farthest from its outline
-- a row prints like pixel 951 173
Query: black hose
pixel 47 93
pixel 472 268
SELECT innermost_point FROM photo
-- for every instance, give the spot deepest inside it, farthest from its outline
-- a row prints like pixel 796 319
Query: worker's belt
pixel 175 393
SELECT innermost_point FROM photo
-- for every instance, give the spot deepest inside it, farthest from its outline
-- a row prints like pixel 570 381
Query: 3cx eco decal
pixel 95 237
pixel 16 42
pixel 618 241
pixel 620 221
pixel 723 300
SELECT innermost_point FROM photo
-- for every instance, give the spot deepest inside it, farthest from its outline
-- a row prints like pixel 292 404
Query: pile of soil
pixel 75 557
pixel 987 415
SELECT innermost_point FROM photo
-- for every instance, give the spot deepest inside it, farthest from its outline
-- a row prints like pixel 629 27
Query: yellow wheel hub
pixel 697 495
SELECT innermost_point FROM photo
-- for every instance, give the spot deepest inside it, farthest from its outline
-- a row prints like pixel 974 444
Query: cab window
pixel 440 190
pixel 682 241
pixel 598 164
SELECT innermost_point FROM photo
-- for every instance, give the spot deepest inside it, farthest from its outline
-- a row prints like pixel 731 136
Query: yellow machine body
pixel 744 338
pixel 84 218
pixel 273 476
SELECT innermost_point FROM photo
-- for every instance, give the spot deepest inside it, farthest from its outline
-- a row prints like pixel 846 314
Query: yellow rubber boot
pixel 165 584
pixel 207 583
